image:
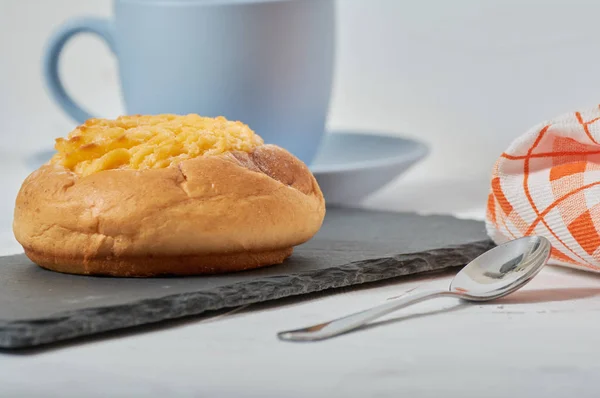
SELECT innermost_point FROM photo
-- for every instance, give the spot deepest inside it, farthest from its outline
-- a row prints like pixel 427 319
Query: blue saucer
pixel 352 165
pixel 349 165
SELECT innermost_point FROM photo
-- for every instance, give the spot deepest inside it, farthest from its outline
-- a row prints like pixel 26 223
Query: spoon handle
pixel 353 321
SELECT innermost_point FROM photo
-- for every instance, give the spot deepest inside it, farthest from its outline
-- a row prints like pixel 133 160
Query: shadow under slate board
pixel 352 247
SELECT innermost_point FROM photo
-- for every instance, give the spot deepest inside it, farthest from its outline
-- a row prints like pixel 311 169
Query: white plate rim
pixel 419 152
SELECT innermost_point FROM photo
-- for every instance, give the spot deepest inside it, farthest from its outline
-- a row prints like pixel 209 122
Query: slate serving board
pixel 353 247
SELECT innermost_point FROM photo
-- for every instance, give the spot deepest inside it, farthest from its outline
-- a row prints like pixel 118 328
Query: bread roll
pixel 190 205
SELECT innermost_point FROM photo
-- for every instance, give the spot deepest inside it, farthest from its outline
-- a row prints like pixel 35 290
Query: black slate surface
pixel 353 247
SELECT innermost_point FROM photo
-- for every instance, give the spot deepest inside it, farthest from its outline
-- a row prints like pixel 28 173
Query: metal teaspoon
pixel 494 274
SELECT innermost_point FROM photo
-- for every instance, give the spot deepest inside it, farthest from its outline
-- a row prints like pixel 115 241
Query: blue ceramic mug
pixel 268 63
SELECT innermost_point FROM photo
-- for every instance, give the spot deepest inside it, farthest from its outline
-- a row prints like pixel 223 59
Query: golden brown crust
pixel 161 266
pixel 206 208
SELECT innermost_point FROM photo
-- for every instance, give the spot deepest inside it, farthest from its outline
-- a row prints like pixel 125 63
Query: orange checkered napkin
pixel 548 183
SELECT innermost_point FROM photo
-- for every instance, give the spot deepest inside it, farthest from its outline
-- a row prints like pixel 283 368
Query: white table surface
pixel 542 341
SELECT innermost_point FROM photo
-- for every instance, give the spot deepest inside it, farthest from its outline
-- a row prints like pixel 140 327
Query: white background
pixel 465 76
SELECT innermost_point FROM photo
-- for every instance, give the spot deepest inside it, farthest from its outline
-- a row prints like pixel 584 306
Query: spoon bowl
pixel 502 270
pixel 494 274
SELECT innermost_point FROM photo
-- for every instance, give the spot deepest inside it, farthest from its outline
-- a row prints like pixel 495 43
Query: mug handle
pixel 101 27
